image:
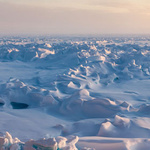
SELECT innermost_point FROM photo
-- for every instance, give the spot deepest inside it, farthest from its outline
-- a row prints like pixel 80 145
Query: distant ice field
pixel 96 88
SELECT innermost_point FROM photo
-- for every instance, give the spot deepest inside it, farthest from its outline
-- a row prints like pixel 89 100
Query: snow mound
pixel 122 122
pixel 19 95
pixel 123 127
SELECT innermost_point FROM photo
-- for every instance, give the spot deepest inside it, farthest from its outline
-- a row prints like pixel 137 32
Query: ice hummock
pixel 94 88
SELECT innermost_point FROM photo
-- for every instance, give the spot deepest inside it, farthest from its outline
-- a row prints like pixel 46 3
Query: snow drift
pixel 64 88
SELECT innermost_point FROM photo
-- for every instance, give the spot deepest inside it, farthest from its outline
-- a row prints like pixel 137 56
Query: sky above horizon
pixel 74 17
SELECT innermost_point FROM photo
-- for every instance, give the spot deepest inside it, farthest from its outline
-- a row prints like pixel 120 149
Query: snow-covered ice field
pixel 76 93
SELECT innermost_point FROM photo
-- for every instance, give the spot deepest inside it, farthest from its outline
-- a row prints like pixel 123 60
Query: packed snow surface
pixel 75 93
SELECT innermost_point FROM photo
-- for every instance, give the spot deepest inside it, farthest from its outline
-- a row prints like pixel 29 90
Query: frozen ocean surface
pixel 75 93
